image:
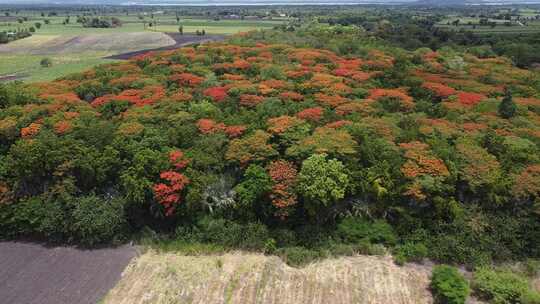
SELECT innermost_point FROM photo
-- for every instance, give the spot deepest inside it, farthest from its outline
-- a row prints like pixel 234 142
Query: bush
pixel 298 256
pixel 530 297
pixel 356 229
pixel 410 252
pixel 499 287
pixel 46 62
pixel 96 220
pixel 448 285
pixel 250 236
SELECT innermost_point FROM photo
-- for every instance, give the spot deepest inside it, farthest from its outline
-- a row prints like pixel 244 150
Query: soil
pixel 35 274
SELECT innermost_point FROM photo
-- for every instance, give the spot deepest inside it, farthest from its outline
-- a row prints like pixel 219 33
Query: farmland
pixel 72 47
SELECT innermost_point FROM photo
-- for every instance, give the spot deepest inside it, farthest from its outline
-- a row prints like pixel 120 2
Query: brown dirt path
pixel 34 274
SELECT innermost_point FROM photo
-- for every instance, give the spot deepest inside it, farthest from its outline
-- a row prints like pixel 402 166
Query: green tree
pixel 507 107
pixel 322 181
pixel 255 184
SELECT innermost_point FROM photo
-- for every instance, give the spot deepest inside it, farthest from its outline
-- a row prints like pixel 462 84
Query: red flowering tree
pixel 313 114
pixel 283 174
pixel 168 193
pixel 469 99
pixel 217 94
pixel 250 100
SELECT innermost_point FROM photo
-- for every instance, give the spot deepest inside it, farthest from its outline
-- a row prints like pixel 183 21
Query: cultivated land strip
pixel 251 278
pixel 35 274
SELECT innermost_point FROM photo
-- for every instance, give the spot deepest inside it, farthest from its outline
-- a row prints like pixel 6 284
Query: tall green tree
pixel 507 107
pixel 322 182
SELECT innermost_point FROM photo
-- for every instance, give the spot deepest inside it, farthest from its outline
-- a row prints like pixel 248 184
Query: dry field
pixel 113 43
pixel 251 278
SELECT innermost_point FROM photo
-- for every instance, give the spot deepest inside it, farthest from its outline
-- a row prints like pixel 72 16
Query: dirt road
pixel 34 274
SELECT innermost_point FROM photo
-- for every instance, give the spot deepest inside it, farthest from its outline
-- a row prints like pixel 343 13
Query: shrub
pixel 448 285
pixel 46 62
pixel 298 256
pixel 499 287
pixel 356 229
pixel 97 220
pixel 410 252
pixel 530 297
pixel 230 234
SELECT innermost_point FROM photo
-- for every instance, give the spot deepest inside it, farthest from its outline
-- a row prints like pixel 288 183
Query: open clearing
pixel 253 278
pixel 34 274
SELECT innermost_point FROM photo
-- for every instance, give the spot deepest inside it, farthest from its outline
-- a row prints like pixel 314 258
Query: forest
pixel 334 143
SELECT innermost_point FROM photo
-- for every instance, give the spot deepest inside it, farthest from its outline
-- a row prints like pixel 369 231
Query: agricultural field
pixel 253 278
pixel 522 21
pixel 73 48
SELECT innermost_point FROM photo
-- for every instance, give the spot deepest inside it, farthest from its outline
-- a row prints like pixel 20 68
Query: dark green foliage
pixel 448 285
pixel 256 183
pixel 298 256
pixel 410 252
pixel 230 234
pixel 97 220
pixel 357 229
pixel 507 107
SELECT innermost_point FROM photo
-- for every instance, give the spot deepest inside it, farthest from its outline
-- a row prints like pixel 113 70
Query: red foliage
pixel 250 100
pixel 241 64
pixel 208 126
pixel 218 94
pixel 330 100
pixel 30 131
pixel 291 96
pixel 187 79
pixel 338 124
pixel 375 94
pixel 470 99
pixel 439 89
pixel 420 161
pixel 235 131
pixel 283 174
pixel 176 158
pixel 181 97
pixel 281 124
pixel 169 194
pixel 313 114
pixel 62 127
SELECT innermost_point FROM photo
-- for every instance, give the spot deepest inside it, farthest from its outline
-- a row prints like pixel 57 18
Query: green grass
pixel 28 66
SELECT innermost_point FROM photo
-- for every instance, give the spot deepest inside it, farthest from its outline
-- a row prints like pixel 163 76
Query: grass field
pixel 28 66
pixel 74 48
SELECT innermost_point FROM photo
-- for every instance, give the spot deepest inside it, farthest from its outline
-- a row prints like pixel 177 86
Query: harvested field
pixel 252 278
pixel 112 43
pixel 34 274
